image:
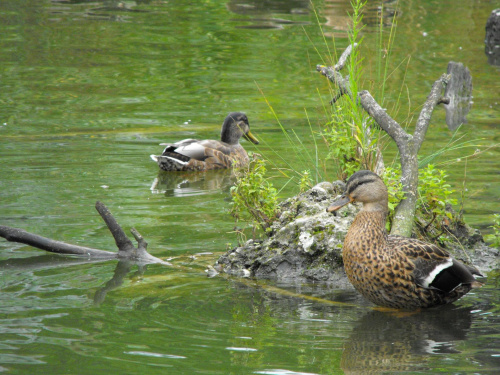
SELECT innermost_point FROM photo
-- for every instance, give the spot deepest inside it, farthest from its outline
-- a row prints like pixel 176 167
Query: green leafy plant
pixel 341 147
pixel 495 237
pixel 305 181
pixel 392 179
pixel 351 138
pixel 434 192
pixel 254 198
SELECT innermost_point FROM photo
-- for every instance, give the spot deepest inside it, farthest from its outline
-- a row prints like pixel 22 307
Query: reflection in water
pixel 257 7
pixel 262 12
pixel 108 10
pixel 357 341
pixel 387 342
pixel 44 262
pixel 122 269
pixel 387 8
pixel 179 184
pixel 338 21
pixel 51 261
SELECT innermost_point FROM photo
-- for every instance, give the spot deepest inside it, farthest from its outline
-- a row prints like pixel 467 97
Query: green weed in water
pixel 351 138
pixel 254 198
pixel 495 237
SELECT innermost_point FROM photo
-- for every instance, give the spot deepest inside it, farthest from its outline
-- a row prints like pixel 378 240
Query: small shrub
pixel 254 198
pixel 495 237
pixel 342 146
pixel 434 195
pixel 305 181
pixel 392 179
pixel 434 192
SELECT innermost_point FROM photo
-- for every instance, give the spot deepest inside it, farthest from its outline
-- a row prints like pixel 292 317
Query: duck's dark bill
pixel 339 204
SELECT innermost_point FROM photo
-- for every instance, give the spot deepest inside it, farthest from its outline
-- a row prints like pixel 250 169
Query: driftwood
pixel 492 38
pixel 126 250
pixel 334 75
pixel 459 95
pixel 408 144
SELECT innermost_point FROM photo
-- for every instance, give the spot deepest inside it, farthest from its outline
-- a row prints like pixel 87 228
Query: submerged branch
pixel 44 243
pixel 126 249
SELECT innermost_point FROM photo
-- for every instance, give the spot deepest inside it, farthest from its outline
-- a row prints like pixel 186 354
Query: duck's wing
pixel 433 267
pixel 196 149
pixel 170 159
pixel 193 154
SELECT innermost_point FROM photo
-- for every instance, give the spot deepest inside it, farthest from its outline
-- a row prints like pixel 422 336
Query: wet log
pixel 458 94
pixel 492 38
pixel 126 250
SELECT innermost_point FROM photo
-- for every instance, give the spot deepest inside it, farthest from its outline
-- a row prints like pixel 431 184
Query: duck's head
pixel 236 126
pixel 365 187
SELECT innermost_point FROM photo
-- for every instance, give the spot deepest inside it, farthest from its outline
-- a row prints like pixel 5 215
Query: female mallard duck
pixel 395 271
pixel 196 155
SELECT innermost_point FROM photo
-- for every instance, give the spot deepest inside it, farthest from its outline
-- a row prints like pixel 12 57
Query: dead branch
pixel 333 74
pixel 408 144
pixel 126 249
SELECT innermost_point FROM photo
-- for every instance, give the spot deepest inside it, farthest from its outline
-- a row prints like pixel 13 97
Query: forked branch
pixel 126 250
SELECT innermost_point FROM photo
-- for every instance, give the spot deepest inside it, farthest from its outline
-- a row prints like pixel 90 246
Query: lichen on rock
pixel 304 245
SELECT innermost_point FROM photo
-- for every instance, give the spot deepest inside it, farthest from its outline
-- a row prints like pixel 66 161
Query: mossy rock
pixel 305 243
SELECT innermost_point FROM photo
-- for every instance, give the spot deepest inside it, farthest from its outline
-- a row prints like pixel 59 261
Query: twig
pixel 335 77
pixel 343 58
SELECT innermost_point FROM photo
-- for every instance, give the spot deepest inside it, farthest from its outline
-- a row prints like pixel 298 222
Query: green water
pixel 88 91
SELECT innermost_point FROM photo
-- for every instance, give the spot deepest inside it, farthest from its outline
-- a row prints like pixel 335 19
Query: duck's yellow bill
pixel 250 137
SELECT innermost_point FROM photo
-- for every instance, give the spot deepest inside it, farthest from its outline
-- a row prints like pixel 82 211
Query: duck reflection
pixel 384 342
pixel 342 333
pixel 178 184
pixel 107 10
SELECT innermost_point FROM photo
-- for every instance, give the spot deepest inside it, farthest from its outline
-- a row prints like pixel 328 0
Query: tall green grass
pixel 351 138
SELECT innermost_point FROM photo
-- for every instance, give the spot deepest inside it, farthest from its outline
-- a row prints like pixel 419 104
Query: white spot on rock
pixel 306 240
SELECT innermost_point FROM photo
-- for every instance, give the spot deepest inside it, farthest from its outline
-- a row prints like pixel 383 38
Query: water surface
pixel 89 90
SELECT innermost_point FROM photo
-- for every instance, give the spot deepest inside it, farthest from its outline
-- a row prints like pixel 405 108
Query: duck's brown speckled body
pixel 396 271
pixel 201 155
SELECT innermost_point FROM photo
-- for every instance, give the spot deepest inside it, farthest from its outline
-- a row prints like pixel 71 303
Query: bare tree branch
pixel 408 144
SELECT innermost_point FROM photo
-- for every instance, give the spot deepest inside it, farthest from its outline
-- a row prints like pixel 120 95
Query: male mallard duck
pixel 395 271
pixel 196 155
